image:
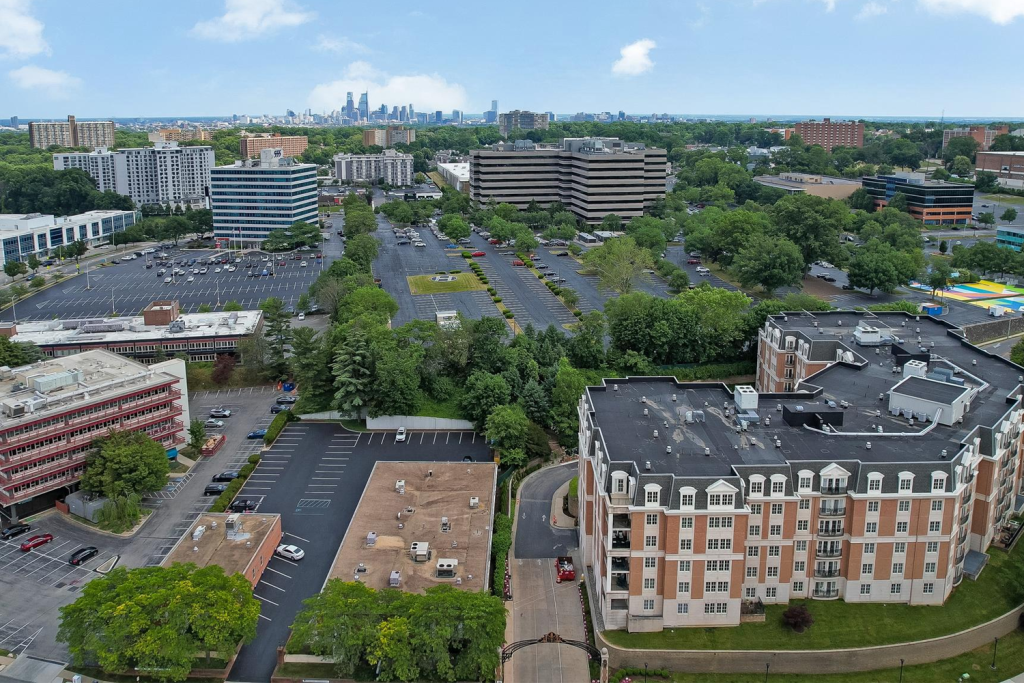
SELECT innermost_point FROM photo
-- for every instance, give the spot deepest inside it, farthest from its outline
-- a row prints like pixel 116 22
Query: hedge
pixel 501 543
pixel 509 314
pixel 633 672
pixel 540 276
pixel 467 254
pixel 496 299
pixel 280 420
pixel 492 291
pixel 453 272
pixel 713 371
pixel 577 313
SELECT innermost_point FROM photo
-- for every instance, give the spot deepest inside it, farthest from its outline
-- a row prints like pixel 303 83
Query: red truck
pixel 564 571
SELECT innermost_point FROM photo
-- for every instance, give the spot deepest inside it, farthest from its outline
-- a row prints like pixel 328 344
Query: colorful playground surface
pixel 984 294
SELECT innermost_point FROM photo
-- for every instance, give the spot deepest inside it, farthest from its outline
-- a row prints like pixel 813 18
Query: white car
pixel 418 244
pixel 302 316
pixel 265 258
pixel 216 270
pixel 191 278
pixel 290 552
pixel 167 280
pixel 303 264
pixel 214 424
pixel 232 269
pixel 127 258
pixel 400 435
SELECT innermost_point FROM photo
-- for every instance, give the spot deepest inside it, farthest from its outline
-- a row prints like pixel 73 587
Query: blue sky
pixel 124 58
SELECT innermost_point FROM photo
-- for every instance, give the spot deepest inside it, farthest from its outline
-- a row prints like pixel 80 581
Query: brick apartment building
pixel 53 411
pixel 71 133
pixel 829 133
pixel 981 134
pixel 876 460
pixel 249 145
pixel 1008 167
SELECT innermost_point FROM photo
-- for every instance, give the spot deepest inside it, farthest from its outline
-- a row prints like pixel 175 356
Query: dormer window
pixel 652 495
pixel 906 481
pixel 756 487
pixel 720 500
pixel 778 485
pixel 687 497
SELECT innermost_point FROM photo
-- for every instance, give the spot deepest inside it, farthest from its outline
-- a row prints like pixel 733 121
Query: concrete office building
pixel 523 120
pixel 980 134
pixel 25 234
pixel 71 133
pixel 809 183
pixel 53 411
pixel 162 174
pixel 1010 237
pixel 161 327
pixel 391 167
pixel 456 175
pixel 593 177
pixel 933 202
pixel 1008 167
pixel 250 145
pixel 699 504
pixel 253 197
pixel 829 133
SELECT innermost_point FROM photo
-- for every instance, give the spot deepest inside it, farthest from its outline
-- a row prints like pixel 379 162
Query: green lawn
pixel 354 425
pixel 838 624
pixel 1004 198
pixel 433 408
pixel 464 282
pixel 1009 662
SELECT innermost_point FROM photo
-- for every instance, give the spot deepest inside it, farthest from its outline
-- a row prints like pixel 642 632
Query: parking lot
pixel 314 476
pixel 127 287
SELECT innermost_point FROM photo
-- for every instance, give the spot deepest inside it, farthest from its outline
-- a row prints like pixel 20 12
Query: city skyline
pixel 826 57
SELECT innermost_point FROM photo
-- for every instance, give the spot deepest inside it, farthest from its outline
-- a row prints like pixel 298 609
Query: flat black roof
pixel 929 390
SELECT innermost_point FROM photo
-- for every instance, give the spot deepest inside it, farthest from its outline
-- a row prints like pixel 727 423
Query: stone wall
pixel 997 328
pixel 816 661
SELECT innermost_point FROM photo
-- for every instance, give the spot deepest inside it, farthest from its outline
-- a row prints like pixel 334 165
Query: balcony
pixel 830 531
pixel 826 593
pixel 620 564
pixel 826 573
pixel 620 521
pixel 751 610
pixel 958 577
pixel 9 478
pixel 962 537
pixel 619 582
pixel 967 498
pixel 829 551
pixel 7 499
pixel 833 489
pixel 964 516
pixel 620 540
pixel 832 511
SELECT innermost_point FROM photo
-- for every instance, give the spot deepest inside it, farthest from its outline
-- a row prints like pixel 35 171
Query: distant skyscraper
pixel 492 115
pixel 364 107
pixel 412 113
pixel 456 116
pixel 622 115
pixel 350 106
pixel 289 112
pixel 438 116
pixel 403 115
pixel 394 111
pixel 494 105
pixel 14 122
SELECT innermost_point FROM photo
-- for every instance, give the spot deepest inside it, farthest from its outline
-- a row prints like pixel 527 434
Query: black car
pixel 13 531
pixel 828 278
pixel 225 476
pixel 276 408
pixel 82 555
pixel 849 287
pixel 214 489
pixel 243 506
pixel 286 400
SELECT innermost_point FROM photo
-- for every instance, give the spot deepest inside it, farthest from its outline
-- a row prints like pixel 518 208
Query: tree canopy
pixel 126 462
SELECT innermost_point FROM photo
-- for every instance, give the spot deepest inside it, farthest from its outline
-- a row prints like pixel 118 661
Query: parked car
pixel 13 531
pixel 256 434
pixel 540 266
pixel 849 287
pixel 517 262
pixel 477 254
pixel 302 316
pixel 290 552
pixel 493 241
pixel 243 506
pixel 83 555
pixel 213 424
pixel 275 409
pixel 828 278
pixel 226 477
pixel 191 278
pixel 302 264
pixel 692 261
pixel 220 412
pixel 287 400
pixel 400 435
pixel 214 489
pixel 167 280
pixel 35 542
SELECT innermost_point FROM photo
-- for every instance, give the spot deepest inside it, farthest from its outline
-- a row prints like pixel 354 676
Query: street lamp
pixel 901 671
pixel 645 672
pixel 995 647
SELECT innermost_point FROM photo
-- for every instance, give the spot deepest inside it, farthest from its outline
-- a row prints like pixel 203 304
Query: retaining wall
pixel 816 661
pixel 997 328
pixel 429 423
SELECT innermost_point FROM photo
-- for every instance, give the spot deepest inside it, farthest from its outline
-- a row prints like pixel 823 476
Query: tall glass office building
pixel 251 198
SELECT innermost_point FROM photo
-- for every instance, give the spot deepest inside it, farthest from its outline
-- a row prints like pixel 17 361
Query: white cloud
pixel 424 91
pixel 871 9
pixel 340 45
pixel 21 34
pixel 245 19
pixel 55 84
pixel 999 11
pixel 635 58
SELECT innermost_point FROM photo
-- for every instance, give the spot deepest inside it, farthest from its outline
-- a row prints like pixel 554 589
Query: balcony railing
pixel 960 556
pixel 964 516
pixel 826 573
pixel 967 498
pixel 36 472
pixel 962 537
pixel 830 531
pixel 620 564
pixel 33 491
pixel 620 540
pixel 621 521
pixel 832 511
pixel 826 593
pixel 833 489
pixel 829 551
pixel 958 577
pixel 619 582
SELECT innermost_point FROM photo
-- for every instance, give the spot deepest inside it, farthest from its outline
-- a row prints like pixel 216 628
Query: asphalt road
pixel 535 537
pixel 314 476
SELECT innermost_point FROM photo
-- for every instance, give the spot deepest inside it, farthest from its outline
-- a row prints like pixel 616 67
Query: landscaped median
pixel 990 606
pixel 275 428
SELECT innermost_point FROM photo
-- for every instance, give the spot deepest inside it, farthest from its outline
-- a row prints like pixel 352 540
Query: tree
pixel 483 393
pixel 611 223
pixel 196 435
pixel 352 372
pixel 223 368
pixel 34 263
pixel 962 167
pixel 812 223
pixel 15 268
pixel 987 218
pixel 18 291
pixel 943 246
pixel 126 462
pixel 277 328
pixel 155 619
pixel 310 356
pixel 770 263
pixel 899 202
pixel 678 281
pixel 569 385
pixel 957 147
pixel 507 427
pixel 570 297
pixel 303 304
pixel 534 401
pixel 453 226
pixel 937 276
pixel 201 222
pixel 396 386
pixel 877 265
pixel 232 306
pixel 585 348
pixel 619 263
pixel 174 228
pixel 362 250
pixel 38 282
pixel 1017 353
pixel 1010 215
pixel 798 618
pixel 371 303
pixel 860 199
pixel 205 308
pixel 17 354
pixel 651 239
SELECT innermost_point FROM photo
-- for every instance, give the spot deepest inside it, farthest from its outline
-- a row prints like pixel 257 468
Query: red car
pixel 692 261
pixel 479 253
pixel 494 241
pixel 564 570
pixel 36 541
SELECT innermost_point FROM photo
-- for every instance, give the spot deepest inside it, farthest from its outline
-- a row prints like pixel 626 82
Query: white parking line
pixel 294 564
pixel 327 458
pixel 265 600
pixel 294 536
pixel 272 586
pixel 326 479
pixel 263 617
pixel 271 569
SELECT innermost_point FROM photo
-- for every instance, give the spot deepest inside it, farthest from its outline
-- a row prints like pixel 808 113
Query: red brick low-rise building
pixel 876 460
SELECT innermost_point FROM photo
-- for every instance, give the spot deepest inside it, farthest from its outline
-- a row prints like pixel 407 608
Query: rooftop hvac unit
pixel 46 383
pixel 400 486
pixel 446 526
pixel 419 551
pixel 371 539
pixel 446 568
pixel 474 503
pixel 13 409
pixel 198 533
pixel 395 579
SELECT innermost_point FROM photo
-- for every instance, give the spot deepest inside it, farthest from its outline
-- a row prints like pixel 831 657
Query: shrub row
pixel 712 371
pixel 280 420
pixel 496 299
pixel 632 671
pixel 501 543
pixel 467 254
pixel 224 499
pixel 509 314
pixel 492 291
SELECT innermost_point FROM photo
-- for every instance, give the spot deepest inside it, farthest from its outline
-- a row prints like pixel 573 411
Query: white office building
pixel 390 166
pixel 253 197
pixel 455 174
pixel 162 174
pixel 35 233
